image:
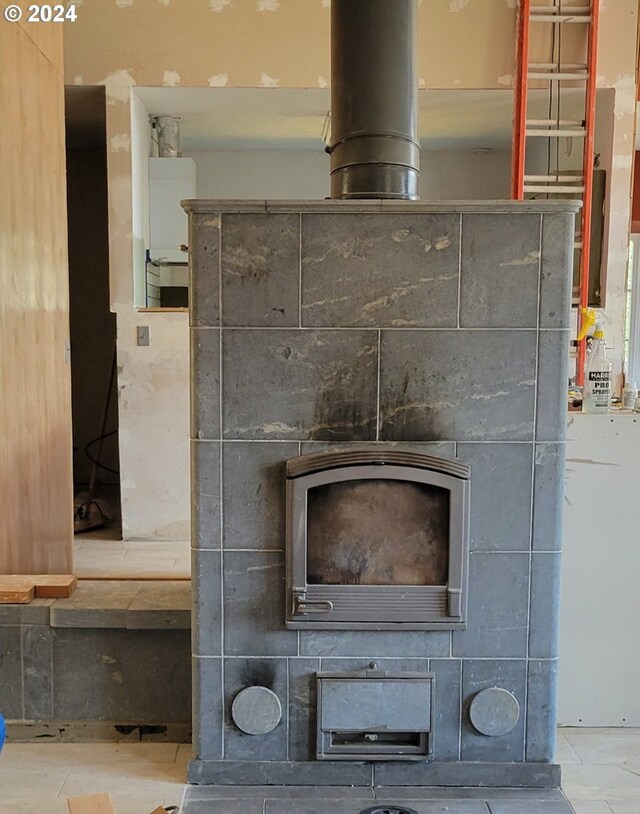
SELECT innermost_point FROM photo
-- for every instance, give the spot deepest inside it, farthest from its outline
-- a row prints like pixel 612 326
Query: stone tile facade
pixel 324 323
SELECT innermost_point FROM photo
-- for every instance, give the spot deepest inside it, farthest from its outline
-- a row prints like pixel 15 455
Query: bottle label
pixel 600 386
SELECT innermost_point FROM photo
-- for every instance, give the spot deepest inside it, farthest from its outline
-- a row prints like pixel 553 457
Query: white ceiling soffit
pixel 293 119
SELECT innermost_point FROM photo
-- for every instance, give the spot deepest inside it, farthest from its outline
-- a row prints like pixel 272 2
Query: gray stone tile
pixel 500 267
pixel 10 671
pixel 302 708
pixel 207 708
pixel 161 605
pixel 10 614
pixel 541 711
pixel 254 605
pixel 553 378
pixel 487 394
pixel 453 773
pixel 205 383
pixel 95 604
pixel 37 675
pixel 204 269
pixel 97 675
pixel 548 497
pixel 275 773
pixel 205 494
pixel 372 643
pixel 207 603
pixel 254 493
pixel 241 673
pixel 467 793
pixel 356 806
pixel 497 611
pixel 428 447
pixel 500 495
pixel 513 807
pixel 408 665
pixel 223 807
pixel 448 695
pixel 346 262
pixel 276 792
pixel 300 384
pixel 260 270
pixel 35 612
pixel 557 270
pixel 477 675
pixel 545 606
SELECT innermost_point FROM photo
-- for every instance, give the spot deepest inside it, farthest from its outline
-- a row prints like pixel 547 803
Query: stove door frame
pixel 376 607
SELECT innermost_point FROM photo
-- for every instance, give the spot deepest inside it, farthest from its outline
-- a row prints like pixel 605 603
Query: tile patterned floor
pixel 96 558
pixel 601 775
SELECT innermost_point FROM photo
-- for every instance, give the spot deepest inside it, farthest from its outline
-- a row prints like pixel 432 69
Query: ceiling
pixel 288 118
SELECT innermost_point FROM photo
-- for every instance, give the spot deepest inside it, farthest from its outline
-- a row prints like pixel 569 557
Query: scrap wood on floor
pixel 102 804
pixel 20 589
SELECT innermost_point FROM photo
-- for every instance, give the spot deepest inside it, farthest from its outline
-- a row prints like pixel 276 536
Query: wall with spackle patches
pixel 278 43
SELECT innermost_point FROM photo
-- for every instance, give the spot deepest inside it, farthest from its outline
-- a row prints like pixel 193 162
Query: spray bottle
pixel 597 381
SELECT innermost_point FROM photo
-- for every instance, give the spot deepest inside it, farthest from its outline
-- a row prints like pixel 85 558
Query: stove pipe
pixel 375 152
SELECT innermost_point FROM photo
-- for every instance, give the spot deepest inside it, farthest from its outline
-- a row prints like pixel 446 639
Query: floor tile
pixel 513 807
pixel 591 807
pixel 325 806
pixel 602 746
pixel 564 752
pixel 624 806
pixel 600 782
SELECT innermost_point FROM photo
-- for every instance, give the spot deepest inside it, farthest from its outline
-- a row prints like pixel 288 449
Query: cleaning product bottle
pixel 597 381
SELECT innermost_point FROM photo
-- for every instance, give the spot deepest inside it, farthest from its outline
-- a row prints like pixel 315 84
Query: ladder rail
pixel 587 173
pixel 530 11
pixel 520 100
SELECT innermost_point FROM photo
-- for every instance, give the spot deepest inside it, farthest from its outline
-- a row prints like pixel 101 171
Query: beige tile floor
pixel 96 558
pixel 601 773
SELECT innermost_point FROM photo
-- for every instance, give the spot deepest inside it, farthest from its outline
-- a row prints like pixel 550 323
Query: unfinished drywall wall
pixel 241 43
pixel 599 669
pixel 36 503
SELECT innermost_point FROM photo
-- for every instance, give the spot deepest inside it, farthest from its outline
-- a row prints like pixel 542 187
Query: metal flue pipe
pixel 375 152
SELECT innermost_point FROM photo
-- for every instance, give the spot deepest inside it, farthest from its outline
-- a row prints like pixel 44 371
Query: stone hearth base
pixel 348 800
pixel 337 773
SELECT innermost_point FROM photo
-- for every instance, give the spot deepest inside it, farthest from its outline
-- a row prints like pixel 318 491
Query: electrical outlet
pixel 143 335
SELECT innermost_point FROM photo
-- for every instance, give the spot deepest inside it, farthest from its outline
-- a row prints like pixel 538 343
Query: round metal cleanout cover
pixel 389 809
pixel 494 711
pixel 256 710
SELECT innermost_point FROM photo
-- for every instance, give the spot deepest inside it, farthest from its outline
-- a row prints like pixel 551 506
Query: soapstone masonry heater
pixel 378 434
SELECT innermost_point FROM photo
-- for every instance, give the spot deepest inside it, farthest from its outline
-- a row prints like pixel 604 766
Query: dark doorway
pixel 93 326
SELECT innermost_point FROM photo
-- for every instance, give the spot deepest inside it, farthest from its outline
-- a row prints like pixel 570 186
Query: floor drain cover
pixel 389 810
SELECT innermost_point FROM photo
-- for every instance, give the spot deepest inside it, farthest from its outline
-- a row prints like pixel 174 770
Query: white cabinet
pixel 171 180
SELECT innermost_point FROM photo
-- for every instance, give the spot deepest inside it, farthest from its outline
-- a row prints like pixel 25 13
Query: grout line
pixel 288 707
pixel 220 491
pixel 371 328
pixel 459 273
pixel 532 502
pixel 378 417
pixel 300 271
pixel 460 724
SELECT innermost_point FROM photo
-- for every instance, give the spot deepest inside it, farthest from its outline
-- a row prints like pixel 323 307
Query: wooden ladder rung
pixel 556 19
pixel 559 189
pixel 556 179
pixel 557 76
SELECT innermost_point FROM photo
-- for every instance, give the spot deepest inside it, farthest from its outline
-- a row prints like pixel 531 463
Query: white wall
pixel 304 174
pixel 599 672
pixel 261 174
pixel 463 174
pixel 140 152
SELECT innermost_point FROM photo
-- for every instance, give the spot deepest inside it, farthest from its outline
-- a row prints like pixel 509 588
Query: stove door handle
pixel 302 604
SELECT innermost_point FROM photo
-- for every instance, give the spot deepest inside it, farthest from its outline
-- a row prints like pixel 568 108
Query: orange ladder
pixel 533 21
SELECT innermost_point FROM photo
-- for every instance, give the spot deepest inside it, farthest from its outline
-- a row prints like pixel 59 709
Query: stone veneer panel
pixel 300 384
pixel 391 323
pixel 346 263
pixel 260 269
